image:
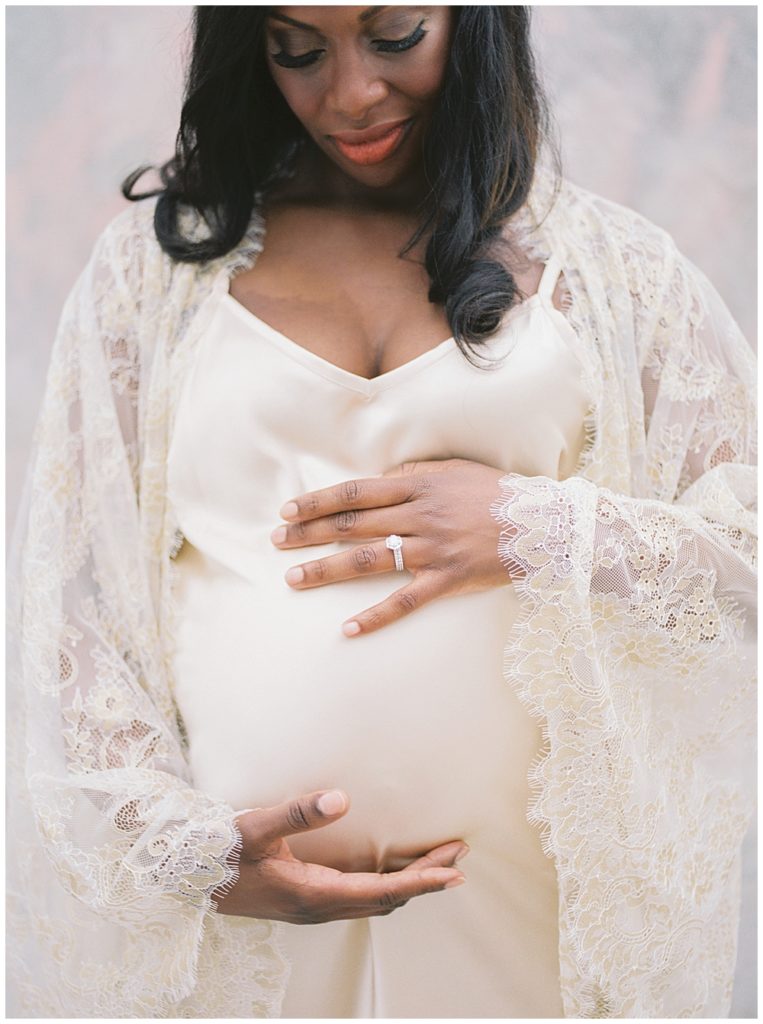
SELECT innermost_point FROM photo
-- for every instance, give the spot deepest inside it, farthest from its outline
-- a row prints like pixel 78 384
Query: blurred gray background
pixel 655 107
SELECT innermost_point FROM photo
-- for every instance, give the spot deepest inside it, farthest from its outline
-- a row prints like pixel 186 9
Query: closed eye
pixel 398 45
pixel 302 60
pixel 286 60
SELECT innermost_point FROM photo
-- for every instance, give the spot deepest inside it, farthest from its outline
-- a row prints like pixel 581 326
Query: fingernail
pixel 461 854
pixel 289 510
pixel 332 803
pixel 454 882
pixel 350 628
pixel 278 536
pixel 295 575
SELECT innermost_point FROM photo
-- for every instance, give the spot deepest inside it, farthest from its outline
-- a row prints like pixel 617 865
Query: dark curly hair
pixel 238 137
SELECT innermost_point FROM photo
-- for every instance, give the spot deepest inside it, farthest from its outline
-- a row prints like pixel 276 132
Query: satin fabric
pixel 415 722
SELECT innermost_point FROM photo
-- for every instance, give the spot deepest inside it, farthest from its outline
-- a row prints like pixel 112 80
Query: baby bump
pixel 415 721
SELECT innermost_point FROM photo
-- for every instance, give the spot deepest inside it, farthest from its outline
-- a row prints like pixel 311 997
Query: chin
pixel 394 173
pixel 378 177
pixel 383 178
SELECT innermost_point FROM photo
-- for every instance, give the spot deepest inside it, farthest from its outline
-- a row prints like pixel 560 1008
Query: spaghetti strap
pixel 549 278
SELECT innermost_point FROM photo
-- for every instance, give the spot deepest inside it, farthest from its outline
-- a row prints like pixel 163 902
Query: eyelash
pixel 383 45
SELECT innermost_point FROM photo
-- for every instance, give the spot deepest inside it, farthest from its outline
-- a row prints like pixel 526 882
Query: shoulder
pixel 129 242
pixel 126 252
pixel 644 250
pixel 590 233
pixel 616 253
pixel 131 228
pixel 128 256
pixel 595 221
pixel 635 276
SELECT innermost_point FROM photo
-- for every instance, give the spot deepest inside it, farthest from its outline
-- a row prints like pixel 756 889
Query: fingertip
pixel 333 802
pixel 454 882
pixel 440 877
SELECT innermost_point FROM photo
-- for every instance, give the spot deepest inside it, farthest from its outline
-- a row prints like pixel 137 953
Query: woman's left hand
pixel 441 509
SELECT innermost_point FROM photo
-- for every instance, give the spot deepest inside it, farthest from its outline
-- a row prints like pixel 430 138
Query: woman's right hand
pixel 273 884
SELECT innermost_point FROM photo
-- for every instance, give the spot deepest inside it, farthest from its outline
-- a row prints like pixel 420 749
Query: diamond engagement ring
pixel 395 544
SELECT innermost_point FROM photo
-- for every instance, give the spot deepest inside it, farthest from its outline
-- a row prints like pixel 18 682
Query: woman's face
pixel 363 81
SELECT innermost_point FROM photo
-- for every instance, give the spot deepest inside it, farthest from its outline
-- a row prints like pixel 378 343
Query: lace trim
pixel 646 879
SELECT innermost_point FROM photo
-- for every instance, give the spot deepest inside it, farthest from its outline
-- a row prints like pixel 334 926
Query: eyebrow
pixel 364 16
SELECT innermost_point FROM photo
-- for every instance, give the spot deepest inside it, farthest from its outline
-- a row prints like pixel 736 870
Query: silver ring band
pixel 395 544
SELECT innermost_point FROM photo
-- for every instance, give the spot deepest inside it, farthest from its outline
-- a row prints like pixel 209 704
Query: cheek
pixel 430 82
pixel 427 80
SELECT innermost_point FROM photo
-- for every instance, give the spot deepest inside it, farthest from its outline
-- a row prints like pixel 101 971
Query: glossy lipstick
pixel 372 146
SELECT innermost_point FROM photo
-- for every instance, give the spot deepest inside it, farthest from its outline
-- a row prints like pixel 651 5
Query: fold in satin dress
pixel 416 721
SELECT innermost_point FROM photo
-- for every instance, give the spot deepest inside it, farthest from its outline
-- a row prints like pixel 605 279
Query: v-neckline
pixel 355 381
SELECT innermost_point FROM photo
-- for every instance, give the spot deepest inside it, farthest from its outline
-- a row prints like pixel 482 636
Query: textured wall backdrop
pixel 655 109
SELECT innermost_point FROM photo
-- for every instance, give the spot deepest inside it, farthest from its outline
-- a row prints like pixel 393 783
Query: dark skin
pixel 334 228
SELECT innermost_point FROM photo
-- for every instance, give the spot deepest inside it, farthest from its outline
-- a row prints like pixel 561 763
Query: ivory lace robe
pixel 635 649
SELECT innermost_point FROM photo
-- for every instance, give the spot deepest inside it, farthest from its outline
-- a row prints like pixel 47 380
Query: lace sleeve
pixel 636 647
pixel 102 769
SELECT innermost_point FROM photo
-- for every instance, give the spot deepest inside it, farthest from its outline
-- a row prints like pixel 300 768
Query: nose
pixel 355 86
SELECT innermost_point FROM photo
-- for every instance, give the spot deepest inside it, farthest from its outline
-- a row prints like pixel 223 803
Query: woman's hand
pixel 273 884
pixel 441 509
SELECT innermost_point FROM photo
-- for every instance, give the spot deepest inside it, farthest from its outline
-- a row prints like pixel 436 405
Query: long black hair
pixel 238 137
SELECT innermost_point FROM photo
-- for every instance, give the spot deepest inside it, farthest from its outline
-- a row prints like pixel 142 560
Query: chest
pixel 336 284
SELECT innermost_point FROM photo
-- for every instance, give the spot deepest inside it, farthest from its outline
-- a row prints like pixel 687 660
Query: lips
pixel 372 145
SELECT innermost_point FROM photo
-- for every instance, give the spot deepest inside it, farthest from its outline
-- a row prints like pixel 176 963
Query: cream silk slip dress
pixel 416 721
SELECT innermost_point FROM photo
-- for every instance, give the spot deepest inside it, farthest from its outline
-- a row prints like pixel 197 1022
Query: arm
pixel 636 645
pixel 677 563
pixel 116 855
pixel 140 856
pixel 105 776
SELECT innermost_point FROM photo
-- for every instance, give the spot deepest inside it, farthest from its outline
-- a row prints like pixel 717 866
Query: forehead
pixel 333 18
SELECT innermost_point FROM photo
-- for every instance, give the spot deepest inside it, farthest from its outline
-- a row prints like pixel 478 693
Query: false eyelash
pixel 396 45
pixel 302 60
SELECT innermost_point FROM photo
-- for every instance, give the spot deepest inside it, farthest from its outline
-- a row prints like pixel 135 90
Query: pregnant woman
pixel 392 502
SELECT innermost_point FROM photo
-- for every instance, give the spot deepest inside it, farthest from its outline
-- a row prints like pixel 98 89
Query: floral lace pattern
pixel 634 647
pixel 117 859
